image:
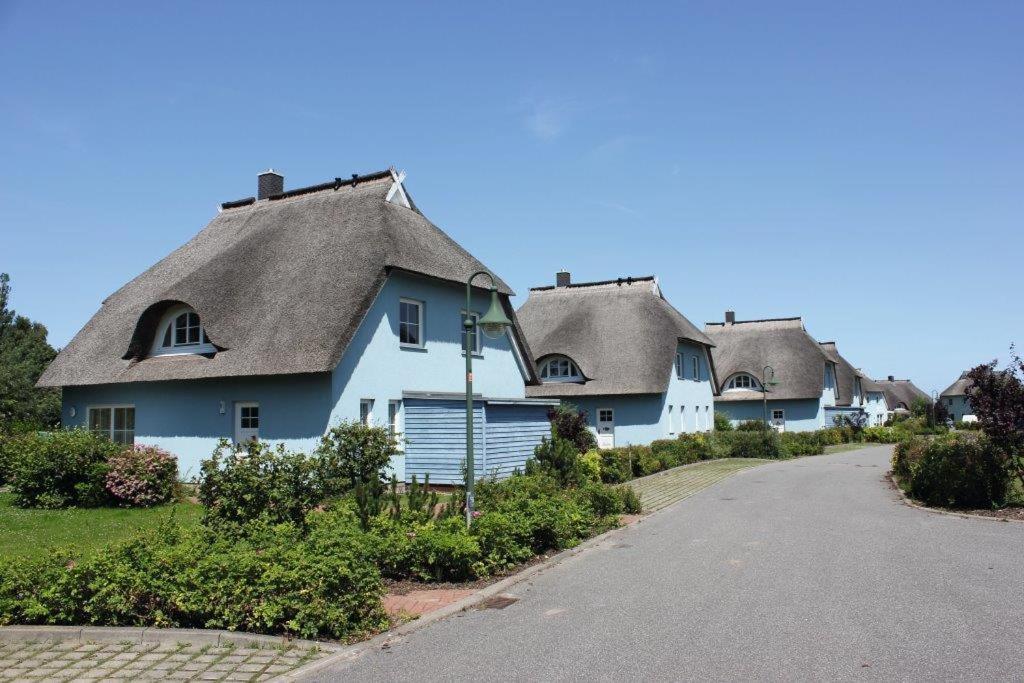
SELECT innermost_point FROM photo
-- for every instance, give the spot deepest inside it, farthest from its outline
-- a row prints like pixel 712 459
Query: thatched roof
pixel 957 388
pixel 783 343
pixel 280 284
pixel 622 334
pixel 901 391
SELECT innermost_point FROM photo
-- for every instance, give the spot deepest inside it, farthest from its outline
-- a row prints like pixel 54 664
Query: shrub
pixel 504 541
pixel 722 422
pixel 352 453
pixel 881 435
pixel 442 550
pixel 272 580
pixel 616 465
pixel 570 423
pixel 906 455
pixel 962 471
pixel 752 426
pixel 631 501
pixel 751 444
pixel 258 481
pixel 590 465
pixel 142 476
pixel 60 469
pixel 556 519
pixel 604 500
pixel 795 444
pixel 558 458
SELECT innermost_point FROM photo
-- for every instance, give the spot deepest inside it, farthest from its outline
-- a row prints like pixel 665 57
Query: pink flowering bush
pixel 142 476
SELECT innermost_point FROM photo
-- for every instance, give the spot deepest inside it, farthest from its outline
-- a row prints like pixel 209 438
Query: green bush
pixel 272 580
pixel 631 503
pixel 752 426
pixel 616 465
pixel 556 518
pixel 59 469
pixel 906 455
pixel 722 422
pixel 796 444
pixel 751 444
pixel 259 482
pixel 558 458
pixel 441 550
pixel 354 453
pixel 960 471
pixel 590 465
pixel 880 434
pixel 570 423
pixel 504 541
pixel 603 500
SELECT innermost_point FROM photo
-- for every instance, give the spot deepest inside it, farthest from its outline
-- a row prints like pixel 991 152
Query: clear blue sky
pixel 859 164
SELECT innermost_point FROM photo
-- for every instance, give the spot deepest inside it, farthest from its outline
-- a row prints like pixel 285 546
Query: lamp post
pixel 767 377
pixel 493 324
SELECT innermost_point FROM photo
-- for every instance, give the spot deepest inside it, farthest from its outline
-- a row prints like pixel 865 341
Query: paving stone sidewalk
pixel 135 661
pixel 664 488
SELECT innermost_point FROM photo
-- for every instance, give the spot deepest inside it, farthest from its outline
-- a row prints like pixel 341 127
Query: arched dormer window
pixel 742 382
pixel 181 331
pixel 559 369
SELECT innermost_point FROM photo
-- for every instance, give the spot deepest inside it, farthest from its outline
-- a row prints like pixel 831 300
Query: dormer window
pixel 742 382
pixel 181 331
pixel 560 369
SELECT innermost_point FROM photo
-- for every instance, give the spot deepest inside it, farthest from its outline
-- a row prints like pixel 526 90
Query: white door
pixel 605 428
pixel 779 420
pixel 247 422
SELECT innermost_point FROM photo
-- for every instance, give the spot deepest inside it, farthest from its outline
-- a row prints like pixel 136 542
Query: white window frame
pixel 680 365
pixel 682 418
pixel 367 418
pixel 574 374
pixel 695 369
pixel 394 411
pixel 111 430
pixel 778 414
pixel 420 320
pixel 671 419
pixel 167 329
pixel 754 384
pixel 478 349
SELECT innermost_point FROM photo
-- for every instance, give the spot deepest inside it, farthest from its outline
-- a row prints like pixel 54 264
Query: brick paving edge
pixel 87 634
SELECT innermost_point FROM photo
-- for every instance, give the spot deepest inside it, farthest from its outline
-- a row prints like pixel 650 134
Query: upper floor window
pixel 182 332
pixel 742 381
pixel 680 364
pixel 695 368
pixel 560 369
pixel 410 322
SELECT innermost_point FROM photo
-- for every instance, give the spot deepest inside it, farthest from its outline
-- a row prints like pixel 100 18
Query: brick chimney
pixel 563 278
pixel 892 378
pixel 730 317
pixel 270 182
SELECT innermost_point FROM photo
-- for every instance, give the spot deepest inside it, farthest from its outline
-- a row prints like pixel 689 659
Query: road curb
pixel 908 501
pixel 148 634
pixel 469 602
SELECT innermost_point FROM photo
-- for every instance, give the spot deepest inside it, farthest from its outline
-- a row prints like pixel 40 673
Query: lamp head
pixel 494 322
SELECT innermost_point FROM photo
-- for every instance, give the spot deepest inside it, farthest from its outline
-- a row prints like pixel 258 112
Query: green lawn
pixel 30 533
pixel 843 447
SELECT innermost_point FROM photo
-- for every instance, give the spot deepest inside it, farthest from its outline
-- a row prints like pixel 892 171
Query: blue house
pixel 619 351
pixel 956 402
pixel 294 310
pixel 805 395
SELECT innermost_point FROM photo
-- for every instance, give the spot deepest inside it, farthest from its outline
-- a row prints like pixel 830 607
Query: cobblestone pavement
pixel 134 661
pixel 664 488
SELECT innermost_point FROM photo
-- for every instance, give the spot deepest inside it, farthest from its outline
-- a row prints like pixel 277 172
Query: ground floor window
pixel 366 411
pixel 117 423
pixel 393 418
pixel 778 414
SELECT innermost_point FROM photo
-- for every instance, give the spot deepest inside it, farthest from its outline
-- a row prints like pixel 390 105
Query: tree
pixel 567 422
pixel 24 354
pixel 997 399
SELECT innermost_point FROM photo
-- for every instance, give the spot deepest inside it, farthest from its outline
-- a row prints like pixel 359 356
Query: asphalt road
pixel 808 569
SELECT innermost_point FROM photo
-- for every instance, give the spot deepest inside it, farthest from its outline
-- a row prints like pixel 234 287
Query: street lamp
pixel 493 324
pixel 767 378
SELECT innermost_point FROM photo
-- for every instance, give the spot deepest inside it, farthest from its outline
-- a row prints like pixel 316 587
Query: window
pixel 474 335
pixel 606 415
pixel 183 332
pixel 742 381
pixel 695 368
pixel 778 414
pixel 249 417
pixel 410 323
pixel 117 423
pixel 560 369
pixel 679 365
pixel 366 411
pixel 393 418
pixel 671 420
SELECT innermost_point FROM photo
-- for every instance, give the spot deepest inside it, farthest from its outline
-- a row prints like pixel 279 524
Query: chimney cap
pixel 269 183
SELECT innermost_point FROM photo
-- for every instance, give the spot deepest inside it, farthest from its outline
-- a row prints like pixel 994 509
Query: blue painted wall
pixel 504 437
pixel 184 416
pixel 958 406
pixel 802 415
pixel 875 407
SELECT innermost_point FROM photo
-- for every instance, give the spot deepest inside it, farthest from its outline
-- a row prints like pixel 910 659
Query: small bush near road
pixel 272 580
pixel 960 471
pixel 60 469
pixel 142 476
pixel 907 454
